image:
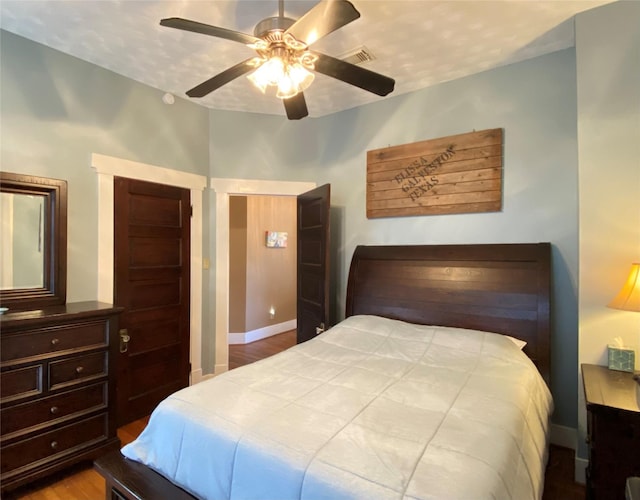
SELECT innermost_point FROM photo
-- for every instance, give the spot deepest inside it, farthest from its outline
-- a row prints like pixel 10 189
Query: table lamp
pixel 628 299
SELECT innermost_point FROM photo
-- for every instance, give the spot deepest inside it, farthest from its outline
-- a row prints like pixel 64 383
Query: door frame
pixel 108 167
pixel 223 189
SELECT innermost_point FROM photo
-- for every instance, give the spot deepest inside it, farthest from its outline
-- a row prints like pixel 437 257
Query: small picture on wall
pixel 276 239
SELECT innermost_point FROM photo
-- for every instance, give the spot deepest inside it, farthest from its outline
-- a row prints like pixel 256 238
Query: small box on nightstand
pixel 621 358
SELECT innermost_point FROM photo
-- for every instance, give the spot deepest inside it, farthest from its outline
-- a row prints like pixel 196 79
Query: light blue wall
pixel 56 110
pixel 608 75
pixel 533 101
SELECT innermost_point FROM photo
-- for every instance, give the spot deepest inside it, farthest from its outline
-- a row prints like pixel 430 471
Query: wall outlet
pixel 272 312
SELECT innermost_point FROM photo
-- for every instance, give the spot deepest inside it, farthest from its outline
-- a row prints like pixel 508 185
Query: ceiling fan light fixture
pixel 283 57
pixel 286 88
pixel 301 76
pixel 285 66
pixel 296 79
pixel 292 43
pixel 258 82
pixel 270 73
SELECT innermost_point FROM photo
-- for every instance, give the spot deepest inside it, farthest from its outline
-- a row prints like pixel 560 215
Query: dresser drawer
pixel 47 341
pixel 29 416
pixel 53 444
pixel 20 383
pixel 57 389
pixel 78 369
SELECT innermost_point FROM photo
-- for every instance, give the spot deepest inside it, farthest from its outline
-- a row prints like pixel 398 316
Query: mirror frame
pixel 54 289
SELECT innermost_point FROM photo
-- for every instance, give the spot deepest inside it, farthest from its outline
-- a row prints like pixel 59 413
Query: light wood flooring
pixel 83 483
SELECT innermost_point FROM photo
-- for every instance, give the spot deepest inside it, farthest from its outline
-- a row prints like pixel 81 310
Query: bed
pixel 434 386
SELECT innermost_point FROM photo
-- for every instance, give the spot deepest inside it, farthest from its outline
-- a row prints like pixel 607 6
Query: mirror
pixel 33 249
pixel 21 250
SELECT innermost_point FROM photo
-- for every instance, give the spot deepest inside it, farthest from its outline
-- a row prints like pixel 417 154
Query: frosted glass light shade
pixel 270 73
pixel 283 69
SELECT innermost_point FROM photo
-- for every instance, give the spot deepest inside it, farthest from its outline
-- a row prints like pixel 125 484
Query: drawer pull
pixel 55 342
pixel 79 370
pixel 54 410
pixel 54 445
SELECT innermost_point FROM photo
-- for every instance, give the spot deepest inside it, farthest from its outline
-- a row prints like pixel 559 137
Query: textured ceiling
pixel 418 43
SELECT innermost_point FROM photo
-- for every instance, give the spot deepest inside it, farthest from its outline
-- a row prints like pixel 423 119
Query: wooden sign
pixel 451 175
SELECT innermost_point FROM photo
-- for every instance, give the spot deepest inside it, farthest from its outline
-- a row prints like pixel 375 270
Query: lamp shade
pixel 628 298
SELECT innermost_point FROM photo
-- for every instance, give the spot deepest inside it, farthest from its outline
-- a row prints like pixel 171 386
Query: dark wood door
pixel 313 262
pixel 152 272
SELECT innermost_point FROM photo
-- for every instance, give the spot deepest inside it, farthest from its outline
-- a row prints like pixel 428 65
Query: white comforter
pixel 371 409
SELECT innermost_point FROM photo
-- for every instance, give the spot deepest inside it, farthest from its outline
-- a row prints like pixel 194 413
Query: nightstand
pixel 613 431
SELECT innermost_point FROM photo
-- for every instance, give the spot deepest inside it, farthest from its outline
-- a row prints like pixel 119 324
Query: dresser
pixel 57 389
pixel 613 431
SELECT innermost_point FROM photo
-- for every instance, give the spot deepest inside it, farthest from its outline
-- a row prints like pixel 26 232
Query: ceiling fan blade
pixel 207 29
pixel 222 78
pixel 354 75
pixel 324 18
pixel 296 107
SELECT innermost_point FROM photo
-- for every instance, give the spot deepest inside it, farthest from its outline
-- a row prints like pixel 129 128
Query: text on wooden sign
pixel 455 174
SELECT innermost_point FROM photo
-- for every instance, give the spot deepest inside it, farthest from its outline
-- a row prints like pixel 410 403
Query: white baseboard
pixel 218 369
pixel 262 333
pixel 196 376
pixel 567 437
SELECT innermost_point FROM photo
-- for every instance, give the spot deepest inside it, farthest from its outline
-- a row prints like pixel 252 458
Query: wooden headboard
pixel 501 288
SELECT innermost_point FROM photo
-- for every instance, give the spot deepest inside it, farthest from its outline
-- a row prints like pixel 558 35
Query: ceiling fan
pixel 284 59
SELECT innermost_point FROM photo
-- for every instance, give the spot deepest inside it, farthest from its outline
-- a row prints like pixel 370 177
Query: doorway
pixel 108 167
pixel 224 188
pixel 262 269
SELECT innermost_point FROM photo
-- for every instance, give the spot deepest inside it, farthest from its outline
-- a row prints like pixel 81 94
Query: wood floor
pixel 248 353
pixel 83 483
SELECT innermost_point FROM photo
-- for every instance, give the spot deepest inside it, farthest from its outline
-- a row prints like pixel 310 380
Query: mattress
pixel 372 408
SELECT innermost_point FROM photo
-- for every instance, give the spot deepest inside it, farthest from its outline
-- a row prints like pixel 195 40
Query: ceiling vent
pixel 358 56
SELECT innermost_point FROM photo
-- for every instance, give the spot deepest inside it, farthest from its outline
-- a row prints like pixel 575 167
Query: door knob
pixel 124 340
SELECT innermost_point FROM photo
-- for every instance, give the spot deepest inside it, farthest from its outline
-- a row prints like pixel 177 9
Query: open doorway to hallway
pixel 262 266
pixel 224 189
